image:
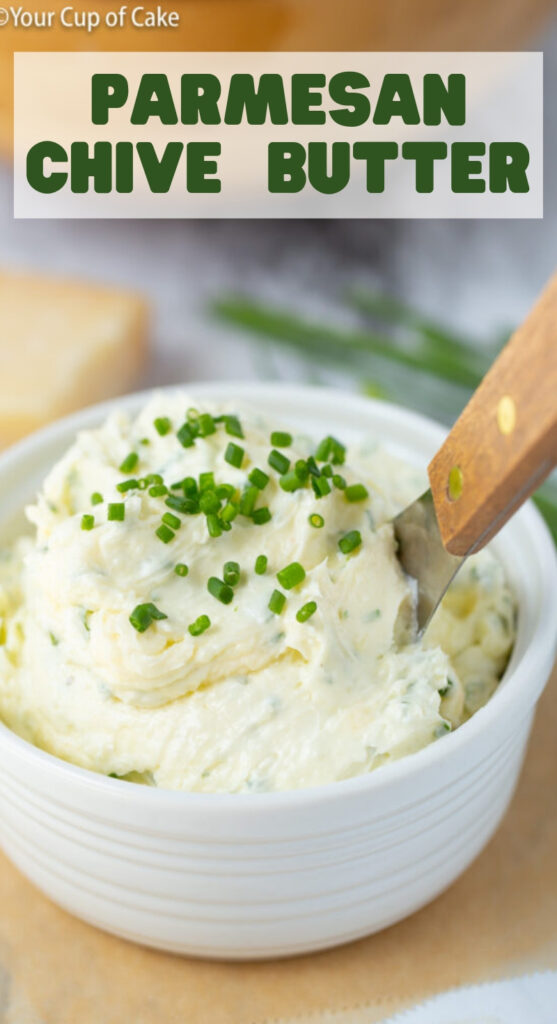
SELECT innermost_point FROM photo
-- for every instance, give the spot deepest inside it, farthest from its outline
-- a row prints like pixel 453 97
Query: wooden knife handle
pixel 505 442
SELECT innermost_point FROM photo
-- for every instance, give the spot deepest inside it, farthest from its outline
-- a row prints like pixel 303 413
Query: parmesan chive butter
pixel 211 602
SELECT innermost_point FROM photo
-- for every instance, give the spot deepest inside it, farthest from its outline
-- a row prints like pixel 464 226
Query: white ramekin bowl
pixel 268 875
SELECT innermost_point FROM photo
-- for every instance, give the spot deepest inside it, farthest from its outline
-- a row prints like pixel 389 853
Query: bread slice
pixel 64 345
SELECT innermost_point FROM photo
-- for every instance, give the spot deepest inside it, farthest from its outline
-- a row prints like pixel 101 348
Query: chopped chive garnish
pixel 208 502
pixel 143 483
pixel 181 569
pixel 187 506
pixel 355 492
pixel 261 516
pixel 229 512
pixel 192 415
pixel 144 614
pixel 144 440
pixel 306 611
pixel 116 512
pixel 153 478
pixel 350 541
pixel 280 439
pixel 206 481
pixel 277 602
pixel 127 485
pixel 162 425
pixel 189 486
pixel 290 481
pixel 96 498
pixel 258 478
pixel 327 470
pixel 234 454
pixel 219 589
pixel 316 520
pixel 233 426
pixel 339 482
pixel 320 486
pixel 172 520
pixel 330 449
pixel 186 436
pixel 279 462
pixel 312 466
pixel 261 564
pixel 301 469
pixel 231 573
pixel 158 490
pixel 206 424
pixel 214 525
pixel 291 575
pixel 165 534
pixel 248 499
pixel 129 463
pixel 87 522
pixel 200 625
pixel 225 491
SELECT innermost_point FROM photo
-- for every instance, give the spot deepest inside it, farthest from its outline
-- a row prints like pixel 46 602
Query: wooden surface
pixel 504 443
pixel 288 25
pixel 498 919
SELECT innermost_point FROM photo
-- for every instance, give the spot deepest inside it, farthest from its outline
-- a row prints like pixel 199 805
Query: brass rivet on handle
pixel 506 414
pixel 455 483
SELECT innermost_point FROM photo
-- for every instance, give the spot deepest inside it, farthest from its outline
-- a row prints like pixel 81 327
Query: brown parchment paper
pixel 500 918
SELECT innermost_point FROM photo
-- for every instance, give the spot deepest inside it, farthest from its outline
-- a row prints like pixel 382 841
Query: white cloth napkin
pixel 527 1000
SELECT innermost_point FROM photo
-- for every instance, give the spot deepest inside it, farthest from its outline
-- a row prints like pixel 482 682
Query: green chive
pixel 327 470
pixel 129 463
pixel 320 486
pixel 350 541
pixel 144 614
pixel 316 520
pixel 144 440
pixel 186 436
pixel 96 498
pixel 291 575
pixel 247 500
pixel 312 466
pixel 231 573
pixel 165 534
pixel 192 415
pixel 279 462
pixel 158 490
pixel 258 478
pixel 87 522
pixel 339 482
pixel 187 506
pixel 206 481
pixel 234 455
pixel 217 588
pixel 206 424
pixel 162 425
pixel 213 525
pixel 172 520
pixel 330 448
pixel 116 512
pixel 181 569
pixel 127 485
pixel 189 486
pixel 280 439
pixel 355 492
pixel 233 426
pixel 291 481
pixel 301 469
pixel 277 602
pixel 261 564
pixel 261 516
pixel 306 611
pixel 225 491
pixel 208 502
pixel 200 625
pixel 229 512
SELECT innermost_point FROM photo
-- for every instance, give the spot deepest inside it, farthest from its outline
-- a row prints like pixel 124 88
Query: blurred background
pixel 408 310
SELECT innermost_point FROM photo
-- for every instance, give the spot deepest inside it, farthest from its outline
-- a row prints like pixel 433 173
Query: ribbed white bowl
pixel 275 874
